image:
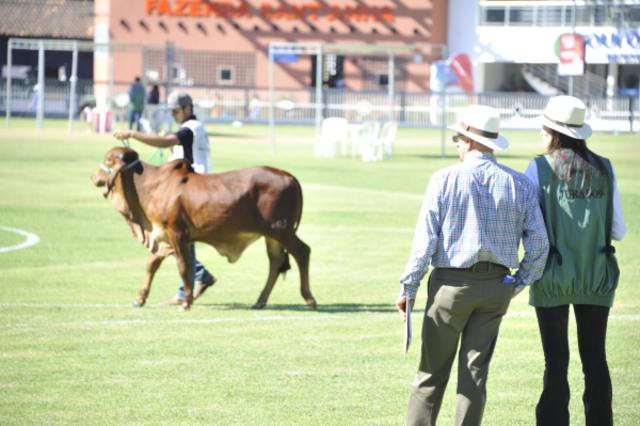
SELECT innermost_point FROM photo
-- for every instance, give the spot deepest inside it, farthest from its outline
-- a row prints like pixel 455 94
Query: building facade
pixel 515 44
pixel 225 43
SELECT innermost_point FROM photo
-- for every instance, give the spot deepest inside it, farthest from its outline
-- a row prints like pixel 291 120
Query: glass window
pixel 583 16
pixel 551 16
pixel 632 15
pixel 494 15
pixel 225 75
pixel 599 15
pixel 521 16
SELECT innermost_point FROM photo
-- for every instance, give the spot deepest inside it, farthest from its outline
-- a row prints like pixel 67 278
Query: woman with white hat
pixel 581 206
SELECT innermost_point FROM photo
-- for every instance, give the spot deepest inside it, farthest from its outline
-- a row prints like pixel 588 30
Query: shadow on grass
pixel 331 308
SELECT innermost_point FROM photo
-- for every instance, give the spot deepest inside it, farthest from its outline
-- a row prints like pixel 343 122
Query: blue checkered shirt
pixel 475 211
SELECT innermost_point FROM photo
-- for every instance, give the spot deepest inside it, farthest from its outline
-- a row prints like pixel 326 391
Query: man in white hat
pixel 581 206
pixel 472 219
pixel 192 143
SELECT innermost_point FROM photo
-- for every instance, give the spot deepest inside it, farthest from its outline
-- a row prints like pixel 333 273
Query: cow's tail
pixel 299 199
pixel 286 265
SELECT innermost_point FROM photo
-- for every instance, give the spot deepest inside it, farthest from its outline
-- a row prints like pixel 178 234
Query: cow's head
pixel 116 160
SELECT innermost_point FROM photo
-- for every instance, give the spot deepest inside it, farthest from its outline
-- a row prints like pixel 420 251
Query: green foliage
pixel 74 352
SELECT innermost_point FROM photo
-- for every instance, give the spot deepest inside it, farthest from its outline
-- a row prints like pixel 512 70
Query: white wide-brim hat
pixel 565 114
pixel 482 124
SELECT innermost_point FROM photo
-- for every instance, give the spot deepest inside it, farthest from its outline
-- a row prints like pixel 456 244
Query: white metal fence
pixel 250 105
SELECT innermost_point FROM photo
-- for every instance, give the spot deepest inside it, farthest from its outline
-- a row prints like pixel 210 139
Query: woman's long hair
pixel 583 162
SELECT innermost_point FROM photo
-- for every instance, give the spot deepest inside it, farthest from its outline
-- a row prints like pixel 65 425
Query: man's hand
pixel 511 281
pixel 401 305
pixel 123 134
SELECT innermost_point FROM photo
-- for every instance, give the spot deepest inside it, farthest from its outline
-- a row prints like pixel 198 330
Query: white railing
pixel 588 84
pixel 297 106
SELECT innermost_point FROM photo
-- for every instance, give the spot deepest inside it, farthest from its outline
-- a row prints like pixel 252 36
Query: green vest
pixel 581 267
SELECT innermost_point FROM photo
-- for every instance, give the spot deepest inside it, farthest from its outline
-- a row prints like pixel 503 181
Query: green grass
pixel 74 352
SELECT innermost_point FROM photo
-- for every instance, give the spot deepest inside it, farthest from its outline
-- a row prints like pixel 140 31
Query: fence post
pixel 40 92
pixel 73 80
pixel 8 91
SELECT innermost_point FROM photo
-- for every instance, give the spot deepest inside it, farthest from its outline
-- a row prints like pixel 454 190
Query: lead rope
pixel 157 158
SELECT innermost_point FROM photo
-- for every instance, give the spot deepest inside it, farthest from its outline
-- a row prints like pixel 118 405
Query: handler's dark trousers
pixel 553 406
pixel 463 305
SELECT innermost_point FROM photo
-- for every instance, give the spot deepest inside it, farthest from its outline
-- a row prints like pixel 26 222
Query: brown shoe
pixel 202 286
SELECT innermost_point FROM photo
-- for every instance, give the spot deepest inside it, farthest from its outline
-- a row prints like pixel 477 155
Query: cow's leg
pixel 184 259
pixel 153 263
pixel 301 252
pixel 277 256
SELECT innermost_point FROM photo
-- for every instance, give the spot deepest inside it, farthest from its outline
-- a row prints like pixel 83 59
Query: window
pixel 225 75
pixel 551 16
pixel 494 15
pixel 633 15
pixel 521 16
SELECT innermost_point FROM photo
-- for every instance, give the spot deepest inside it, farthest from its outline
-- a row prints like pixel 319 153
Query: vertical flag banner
pixel 461 66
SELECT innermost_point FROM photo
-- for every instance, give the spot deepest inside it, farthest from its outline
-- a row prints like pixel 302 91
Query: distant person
pixel 472 219
pixel 190 142
pixel 580 203
pixel 136 103
pixel 153 97
pixel 154 113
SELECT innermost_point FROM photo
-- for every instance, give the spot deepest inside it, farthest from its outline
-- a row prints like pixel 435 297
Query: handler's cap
pixel 481 123
pixel 565 114
pixel 179 99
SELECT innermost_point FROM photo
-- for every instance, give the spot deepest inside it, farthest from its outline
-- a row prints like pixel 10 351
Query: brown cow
pixel 169 207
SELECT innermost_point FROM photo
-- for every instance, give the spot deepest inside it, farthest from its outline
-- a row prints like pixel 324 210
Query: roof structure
pixel 47 18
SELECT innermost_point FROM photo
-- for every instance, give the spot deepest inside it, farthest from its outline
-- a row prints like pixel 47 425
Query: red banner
pixel 462 68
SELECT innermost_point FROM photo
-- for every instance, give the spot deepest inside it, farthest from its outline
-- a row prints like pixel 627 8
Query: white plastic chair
pixel 334 131
pixel 386 139
pixel 365 142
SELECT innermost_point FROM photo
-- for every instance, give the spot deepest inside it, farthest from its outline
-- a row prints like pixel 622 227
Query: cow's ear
pixel 129 156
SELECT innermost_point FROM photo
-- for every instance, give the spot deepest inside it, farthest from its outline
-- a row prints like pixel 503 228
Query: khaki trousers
pixel 462 306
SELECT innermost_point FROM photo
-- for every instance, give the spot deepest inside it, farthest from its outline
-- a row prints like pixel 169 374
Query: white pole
pixel 111 78
pixel 270 72
pixel 573 32
pixel 391 85
pixel 40 91
pixel 8 92
pixel 73 80
pixel 318 91
pixel 443 119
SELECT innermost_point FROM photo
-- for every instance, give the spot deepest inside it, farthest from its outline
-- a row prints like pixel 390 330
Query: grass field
pixel 73 351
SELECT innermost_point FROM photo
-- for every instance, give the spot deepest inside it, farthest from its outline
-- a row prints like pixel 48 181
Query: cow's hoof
pixel 312 303
pixel 137 303
pixel 259 305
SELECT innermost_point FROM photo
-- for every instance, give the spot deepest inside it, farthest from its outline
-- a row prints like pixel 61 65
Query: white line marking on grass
pixel 90 323
pixel 64 306
pixel 32 239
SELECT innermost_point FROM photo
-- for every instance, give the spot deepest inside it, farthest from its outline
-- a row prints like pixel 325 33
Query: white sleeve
pixel 618 227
